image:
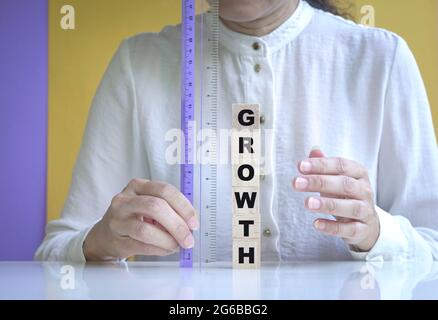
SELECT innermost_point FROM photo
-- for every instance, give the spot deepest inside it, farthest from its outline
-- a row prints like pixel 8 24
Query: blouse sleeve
pixel 407 186
pixel 111 154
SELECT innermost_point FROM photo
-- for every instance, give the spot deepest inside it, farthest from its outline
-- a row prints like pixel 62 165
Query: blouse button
pixel 257 68
pixel 267 232
pixel 262 119
pixel 256 46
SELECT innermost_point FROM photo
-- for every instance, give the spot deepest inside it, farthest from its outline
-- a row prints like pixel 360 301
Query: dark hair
pixel 332 6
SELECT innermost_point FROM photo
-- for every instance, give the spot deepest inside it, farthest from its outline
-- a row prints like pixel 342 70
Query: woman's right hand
pixel 146 218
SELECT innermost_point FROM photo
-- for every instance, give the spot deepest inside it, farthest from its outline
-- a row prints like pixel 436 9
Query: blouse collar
pixel 250 45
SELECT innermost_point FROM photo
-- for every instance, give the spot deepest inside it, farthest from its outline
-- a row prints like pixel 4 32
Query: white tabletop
pixel 145 280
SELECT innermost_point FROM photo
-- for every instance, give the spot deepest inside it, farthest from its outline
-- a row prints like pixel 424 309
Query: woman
pixel 320 80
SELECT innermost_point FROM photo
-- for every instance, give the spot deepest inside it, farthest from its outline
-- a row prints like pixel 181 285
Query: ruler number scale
pixel 209 104
pixel 187 110
pixel 209 194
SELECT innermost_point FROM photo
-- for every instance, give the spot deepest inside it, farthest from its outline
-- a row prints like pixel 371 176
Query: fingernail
pixel 305 166
pixel 301 183
pixel 316 148
pixel 314 203
pixel 320 225
pixel 189 242
pixel 193 223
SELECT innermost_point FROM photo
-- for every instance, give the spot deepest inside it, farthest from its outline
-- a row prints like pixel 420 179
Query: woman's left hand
pixel 346 193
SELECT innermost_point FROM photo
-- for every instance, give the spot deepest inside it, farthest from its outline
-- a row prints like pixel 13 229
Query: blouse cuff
pixel 391 244
pixel 76 252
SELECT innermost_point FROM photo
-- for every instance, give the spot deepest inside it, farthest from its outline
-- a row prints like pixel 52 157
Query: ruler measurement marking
pixel 187 109
pixel 209 175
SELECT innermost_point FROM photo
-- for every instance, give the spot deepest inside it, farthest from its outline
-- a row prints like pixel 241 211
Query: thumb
pixel 316 153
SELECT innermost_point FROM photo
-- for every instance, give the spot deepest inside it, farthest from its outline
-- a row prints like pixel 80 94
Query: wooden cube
pixel 245 200
pixel 246 116
pixel 246 253
pixel 246 226
pixel 245 174
pixel 245 145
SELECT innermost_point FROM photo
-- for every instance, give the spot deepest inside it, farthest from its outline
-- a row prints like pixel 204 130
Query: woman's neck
pixel 266 24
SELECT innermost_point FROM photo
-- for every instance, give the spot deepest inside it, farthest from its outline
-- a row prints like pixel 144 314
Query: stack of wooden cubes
pixel 246 153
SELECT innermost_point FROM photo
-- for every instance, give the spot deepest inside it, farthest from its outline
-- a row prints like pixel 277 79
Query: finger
pixel 131 247
pixel 352 209
pixel 333 166
pixel 353 231
pixel 164 216
pixel 316 153
pixel 151 221
pixel 336 185
pixel 169 193
pixel 148 234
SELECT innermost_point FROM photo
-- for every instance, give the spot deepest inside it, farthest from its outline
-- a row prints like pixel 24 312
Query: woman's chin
pixel 234 16
pixel 243 10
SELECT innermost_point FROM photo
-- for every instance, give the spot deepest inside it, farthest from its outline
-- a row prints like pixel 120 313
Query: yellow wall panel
pixel 77 61
pixel 78 58
pixel 417 22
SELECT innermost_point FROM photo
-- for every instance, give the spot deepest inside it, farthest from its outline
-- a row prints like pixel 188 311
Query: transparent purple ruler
pixel 187 109
pixel 208 74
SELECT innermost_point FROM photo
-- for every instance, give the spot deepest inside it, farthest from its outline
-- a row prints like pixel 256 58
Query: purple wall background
pixel 23 126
